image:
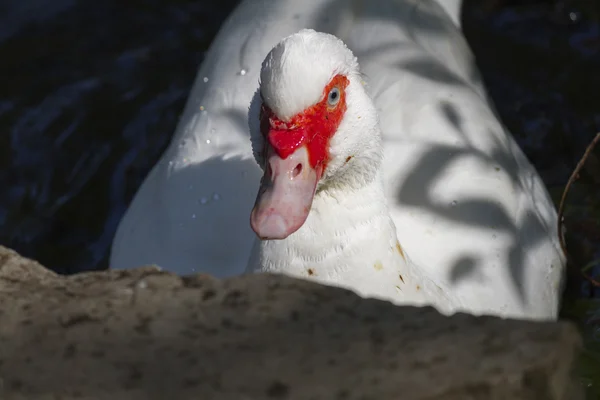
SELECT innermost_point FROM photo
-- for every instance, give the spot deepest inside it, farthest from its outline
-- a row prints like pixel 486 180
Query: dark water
pixel 541 64
pixel 90 93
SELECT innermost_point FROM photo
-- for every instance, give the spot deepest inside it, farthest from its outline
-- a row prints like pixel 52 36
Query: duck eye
pixel 333 97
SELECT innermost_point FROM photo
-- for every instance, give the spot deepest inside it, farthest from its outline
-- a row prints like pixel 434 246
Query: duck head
pixel 313 128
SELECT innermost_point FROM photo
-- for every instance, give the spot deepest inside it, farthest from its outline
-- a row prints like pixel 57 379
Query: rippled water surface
pixel 90 93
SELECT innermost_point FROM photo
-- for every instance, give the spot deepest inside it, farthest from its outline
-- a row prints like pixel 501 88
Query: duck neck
pixel 343 225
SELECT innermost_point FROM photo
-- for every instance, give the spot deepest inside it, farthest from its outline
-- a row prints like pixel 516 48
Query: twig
pixel 591 265
pixel 575 175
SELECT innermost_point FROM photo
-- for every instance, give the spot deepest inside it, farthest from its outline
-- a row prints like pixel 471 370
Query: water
pixel 90 93
pixel 540 62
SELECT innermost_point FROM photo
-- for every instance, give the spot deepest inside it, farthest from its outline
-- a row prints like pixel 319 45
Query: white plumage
pixel 438 205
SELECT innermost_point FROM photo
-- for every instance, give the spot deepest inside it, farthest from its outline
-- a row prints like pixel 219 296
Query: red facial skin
pixel 314 127
pixel 296 153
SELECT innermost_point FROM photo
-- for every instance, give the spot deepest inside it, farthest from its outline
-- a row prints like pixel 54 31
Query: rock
pixel 147 334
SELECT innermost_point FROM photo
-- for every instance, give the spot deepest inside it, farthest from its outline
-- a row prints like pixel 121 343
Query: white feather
pixel 470 212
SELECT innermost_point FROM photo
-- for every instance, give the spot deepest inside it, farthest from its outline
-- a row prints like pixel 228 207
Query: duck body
pixel 455 216
pixel 360 252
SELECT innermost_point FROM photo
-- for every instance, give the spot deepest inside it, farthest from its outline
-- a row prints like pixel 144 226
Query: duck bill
pixel 285 196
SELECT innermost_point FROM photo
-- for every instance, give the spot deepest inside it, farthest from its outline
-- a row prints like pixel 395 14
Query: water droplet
pixel 171 163
pixel 190 187
pixel 201 108
pixel 242 72
pixel 203 200
pixel 213 130
pixel 207 141
pixel 216 196
pixel 142 285
pixel 454 203
pixel 205 79
pixel 573 16
pixel 193 216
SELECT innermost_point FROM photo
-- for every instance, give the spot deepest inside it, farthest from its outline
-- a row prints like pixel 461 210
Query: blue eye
pixel 333 97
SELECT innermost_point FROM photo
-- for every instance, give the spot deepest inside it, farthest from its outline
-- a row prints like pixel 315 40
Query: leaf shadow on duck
pixel 455 180
pixel 534 224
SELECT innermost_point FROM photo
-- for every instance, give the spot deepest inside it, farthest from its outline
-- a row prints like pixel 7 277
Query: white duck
pixel 431 203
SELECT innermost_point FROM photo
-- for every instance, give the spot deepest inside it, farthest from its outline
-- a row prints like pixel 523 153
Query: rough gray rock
pixel 146 334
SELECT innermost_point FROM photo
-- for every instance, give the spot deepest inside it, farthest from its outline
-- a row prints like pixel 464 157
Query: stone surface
pixel 147 334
